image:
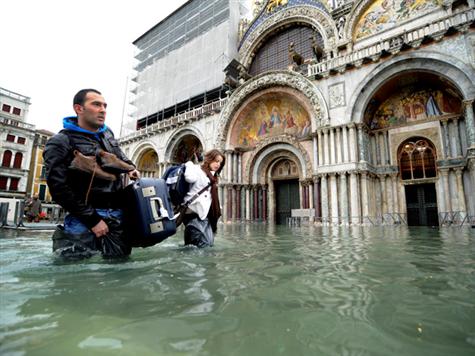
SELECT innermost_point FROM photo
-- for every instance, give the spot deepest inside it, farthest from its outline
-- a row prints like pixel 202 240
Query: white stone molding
pixel 177 135
pixel 140 149
pixel 272 148
pixel 313 16
pixel 448 67
pixel 319 116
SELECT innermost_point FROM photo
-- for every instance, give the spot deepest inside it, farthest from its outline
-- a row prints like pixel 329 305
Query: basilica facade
pixel 358 112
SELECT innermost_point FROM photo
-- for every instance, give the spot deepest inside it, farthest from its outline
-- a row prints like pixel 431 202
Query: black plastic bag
pixel 74 246
pixel 113 244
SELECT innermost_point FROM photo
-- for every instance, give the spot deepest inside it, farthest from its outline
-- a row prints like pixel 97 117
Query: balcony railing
pixel 16 123
pixel 435 30
pixel 180 119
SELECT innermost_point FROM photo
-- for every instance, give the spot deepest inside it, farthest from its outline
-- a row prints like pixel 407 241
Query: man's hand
pixel 100 229
pixel 135 174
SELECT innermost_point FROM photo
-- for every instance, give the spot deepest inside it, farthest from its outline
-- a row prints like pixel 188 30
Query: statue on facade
pixel 317 50
pixel 275 3
pixel 294 57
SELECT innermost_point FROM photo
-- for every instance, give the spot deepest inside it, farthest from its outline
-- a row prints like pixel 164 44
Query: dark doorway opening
pixel 421 200
pixel 287 197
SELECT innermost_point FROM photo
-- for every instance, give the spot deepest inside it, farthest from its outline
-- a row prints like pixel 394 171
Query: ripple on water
pixel 260 291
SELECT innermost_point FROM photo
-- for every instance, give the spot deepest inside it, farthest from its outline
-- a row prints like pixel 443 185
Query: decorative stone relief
pixel 276 78
pixel 308 14
pixel 471 44
pixel 336 93
pixel 456 47
pixel 288 139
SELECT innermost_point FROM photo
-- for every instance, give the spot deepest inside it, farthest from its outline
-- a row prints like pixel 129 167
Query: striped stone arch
pixel 310 15
pixel 319 110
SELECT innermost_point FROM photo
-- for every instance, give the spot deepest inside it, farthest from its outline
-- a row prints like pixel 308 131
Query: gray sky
pixel 52 48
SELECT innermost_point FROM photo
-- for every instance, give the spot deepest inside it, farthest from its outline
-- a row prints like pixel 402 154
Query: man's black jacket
pixel 69 187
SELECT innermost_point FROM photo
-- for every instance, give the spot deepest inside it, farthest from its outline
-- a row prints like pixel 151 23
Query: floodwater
pixel 260 291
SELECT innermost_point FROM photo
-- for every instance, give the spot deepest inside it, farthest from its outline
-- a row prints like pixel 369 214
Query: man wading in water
pixel 83 168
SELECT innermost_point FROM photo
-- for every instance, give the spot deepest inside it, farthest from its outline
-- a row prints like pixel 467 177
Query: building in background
pixel 359 111
pixel 16 137
pixel 37 175
pixel 180 61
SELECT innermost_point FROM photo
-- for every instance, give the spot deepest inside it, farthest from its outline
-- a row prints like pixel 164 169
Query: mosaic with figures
pixel 411 105
pixel 384 14
pixel 270 115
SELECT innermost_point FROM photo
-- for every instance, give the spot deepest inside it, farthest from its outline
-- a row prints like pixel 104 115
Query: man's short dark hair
pixel 80 96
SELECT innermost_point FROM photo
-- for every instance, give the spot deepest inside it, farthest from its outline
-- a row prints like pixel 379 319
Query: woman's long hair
pixel 210 157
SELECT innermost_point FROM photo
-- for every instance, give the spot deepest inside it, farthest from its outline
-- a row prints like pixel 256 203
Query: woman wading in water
pixel 201 217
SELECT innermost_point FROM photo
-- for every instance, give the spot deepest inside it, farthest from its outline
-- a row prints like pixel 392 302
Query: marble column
pixel 456 141
pixel 445 178
pixel 320 148
pixel 311 196
pixel 326 147
pixel 346 148
pixel 334 199
pixel 264 203
pixel 234 205
pixel 376 150
pixel 225 202
pixel 445 140
pixel 394 188
pixel 325 200
pixel 382 149
pixel 355 199
pixel 315 153
pixel 228 177
pixel 364 195
pixel 462 206
pixel 343 199
pixel 238 202
pixel 384 206
pixel 362 144
pixel 248 202
pixel 239 167
pixel 339 145
pixel 317 197
pixel 353 146
pixel 332 147
pixel 230 203
pixel 470 122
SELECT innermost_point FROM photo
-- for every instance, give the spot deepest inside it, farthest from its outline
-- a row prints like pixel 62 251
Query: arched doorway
pixel 148 164
pixel 417 168
pixel 188 148
pixel 285 177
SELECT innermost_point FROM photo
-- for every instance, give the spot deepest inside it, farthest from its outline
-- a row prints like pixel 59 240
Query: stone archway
pixel 310 15
pixel 183 146
pixel 310 97
pixel 147 164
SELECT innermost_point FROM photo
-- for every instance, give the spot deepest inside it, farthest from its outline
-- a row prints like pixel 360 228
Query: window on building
pixel 274 54
pixel 6 108
pixel 3 183
pixel 16 111
pixel 14 183
pixel 7 158
pixel 10 138
pixel 417 159
pixel 43 172
pixel 18 159
pixel 42 193
pixel 21 140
